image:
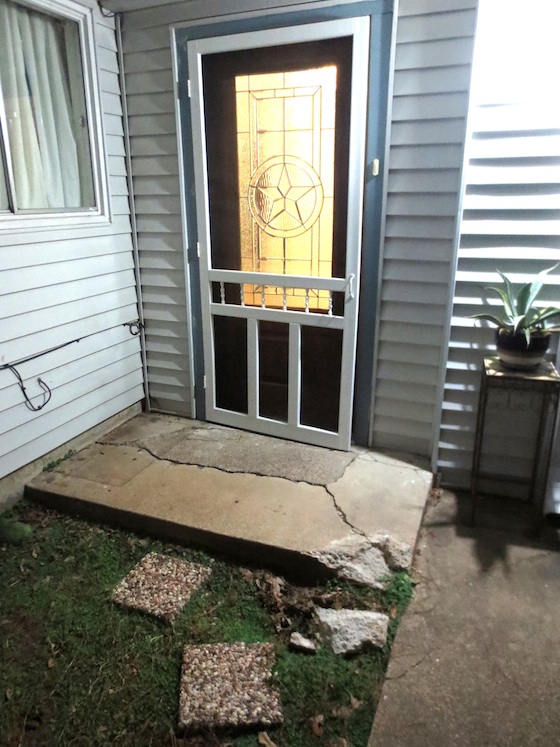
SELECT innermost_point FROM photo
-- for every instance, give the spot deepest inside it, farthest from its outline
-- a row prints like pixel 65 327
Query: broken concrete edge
pixel 368 560
pixel 296 566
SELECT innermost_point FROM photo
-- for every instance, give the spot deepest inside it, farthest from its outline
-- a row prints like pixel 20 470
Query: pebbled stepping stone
pixel 228 685
pixel 160 585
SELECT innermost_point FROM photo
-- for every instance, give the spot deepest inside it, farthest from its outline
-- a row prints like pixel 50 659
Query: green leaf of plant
pixel 530 318
pixel 519 322
pixel 491 318
pixel 542 315
pixel 523 298
pixel 510 306
pixel 510 312
pixel 530 291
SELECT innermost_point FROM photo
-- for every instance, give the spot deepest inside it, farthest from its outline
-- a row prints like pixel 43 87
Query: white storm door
pixel 278 121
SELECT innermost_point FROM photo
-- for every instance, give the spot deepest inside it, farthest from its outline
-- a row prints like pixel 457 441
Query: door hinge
pixel 189 88
pixel 198 249
pixel 375 167
pixel 204 381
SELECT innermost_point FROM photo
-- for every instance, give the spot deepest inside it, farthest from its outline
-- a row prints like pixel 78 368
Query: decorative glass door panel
pixel 285 133
pixel 278 128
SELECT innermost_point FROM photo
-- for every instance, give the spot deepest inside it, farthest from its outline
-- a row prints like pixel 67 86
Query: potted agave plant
pixel 522 337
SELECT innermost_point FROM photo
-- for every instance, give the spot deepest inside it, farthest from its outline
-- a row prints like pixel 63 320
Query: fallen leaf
pixel 317 724
pixel 50 663
pixel 276 588
pixel 248 577
pixel 265 740
pixel 342 712
pixel 9 695
pixel 355 703
pixel 393 612
pixel 35 552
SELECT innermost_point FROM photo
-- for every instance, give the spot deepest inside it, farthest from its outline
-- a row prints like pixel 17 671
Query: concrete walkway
pixel 476 660
pixel 262 499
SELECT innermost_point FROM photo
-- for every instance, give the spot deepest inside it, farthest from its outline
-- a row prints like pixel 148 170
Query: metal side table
pixel 544 380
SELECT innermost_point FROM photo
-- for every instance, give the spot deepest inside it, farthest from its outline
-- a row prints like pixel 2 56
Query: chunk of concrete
pixel 367 568
pixel 366 560
pixel 397 554
pixel 299 643
pixel 348 631
pixel 355 559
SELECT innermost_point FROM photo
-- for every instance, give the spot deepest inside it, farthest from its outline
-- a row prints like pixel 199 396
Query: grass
pixel 75 669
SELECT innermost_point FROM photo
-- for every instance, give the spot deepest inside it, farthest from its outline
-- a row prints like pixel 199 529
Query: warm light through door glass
pixel 285 141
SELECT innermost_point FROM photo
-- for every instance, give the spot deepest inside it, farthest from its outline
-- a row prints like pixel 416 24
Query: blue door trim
pixel 380 12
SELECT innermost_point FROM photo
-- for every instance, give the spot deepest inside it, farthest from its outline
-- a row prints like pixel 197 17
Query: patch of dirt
pixel 37 516
pixel 291 607
pixel 22 627
pixel 35 727
pixel 202 740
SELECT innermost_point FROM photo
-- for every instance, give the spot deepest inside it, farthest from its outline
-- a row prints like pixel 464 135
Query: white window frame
pixel 36 220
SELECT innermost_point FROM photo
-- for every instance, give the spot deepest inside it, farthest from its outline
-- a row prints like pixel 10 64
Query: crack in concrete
pixel 342 516
pixel 340 513
pixel 408 669
pixel 143 447
pixel 381 459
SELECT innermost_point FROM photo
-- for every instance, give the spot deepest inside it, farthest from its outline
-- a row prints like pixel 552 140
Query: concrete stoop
pixel 275 503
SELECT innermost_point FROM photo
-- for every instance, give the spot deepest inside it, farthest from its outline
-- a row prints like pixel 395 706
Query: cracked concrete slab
pixel 379 493
pixel 475 658
pixel 95 464
pixel 242 505
pixel 208 445
pixel 269 519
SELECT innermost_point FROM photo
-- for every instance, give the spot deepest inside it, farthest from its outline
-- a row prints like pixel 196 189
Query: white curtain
pixel 38 108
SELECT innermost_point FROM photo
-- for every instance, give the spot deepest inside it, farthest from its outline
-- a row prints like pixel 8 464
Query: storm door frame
pixel 381 60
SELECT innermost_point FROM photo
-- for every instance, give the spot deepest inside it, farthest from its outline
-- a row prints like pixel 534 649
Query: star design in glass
pixel 280 193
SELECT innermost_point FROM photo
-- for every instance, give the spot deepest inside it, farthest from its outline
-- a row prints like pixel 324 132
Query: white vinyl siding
pixel 155 172
pixel 511 222
pixel 430 104
pixel 65 284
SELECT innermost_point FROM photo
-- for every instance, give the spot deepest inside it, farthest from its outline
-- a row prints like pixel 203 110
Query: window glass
pixel 43 95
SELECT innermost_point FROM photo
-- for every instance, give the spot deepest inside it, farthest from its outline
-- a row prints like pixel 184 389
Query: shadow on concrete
pixel 500 523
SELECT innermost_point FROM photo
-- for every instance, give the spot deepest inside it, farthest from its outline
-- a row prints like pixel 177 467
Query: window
pixel 49 115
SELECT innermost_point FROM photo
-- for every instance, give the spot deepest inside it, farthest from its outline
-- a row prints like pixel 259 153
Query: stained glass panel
pixel 286 148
